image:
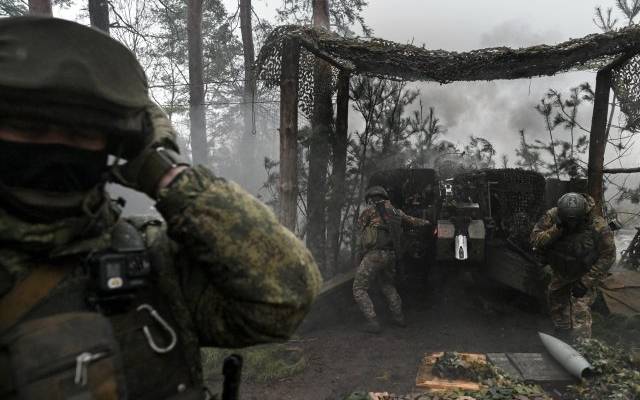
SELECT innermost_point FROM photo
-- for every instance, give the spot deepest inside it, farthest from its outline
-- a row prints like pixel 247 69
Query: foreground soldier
pixel 580 249
pixel 95 306
pixel 380 227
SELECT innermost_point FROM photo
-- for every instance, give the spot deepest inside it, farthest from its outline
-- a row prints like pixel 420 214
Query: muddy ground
pixel 450 315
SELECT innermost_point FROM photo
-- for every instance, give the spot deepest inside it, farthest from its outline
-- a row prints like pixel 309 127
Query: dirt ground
pixel 450 316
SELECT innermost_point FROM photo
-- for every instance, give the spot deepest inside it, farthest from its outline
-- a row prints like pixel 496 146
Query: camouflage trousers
pixel 568 313
pixel 377 266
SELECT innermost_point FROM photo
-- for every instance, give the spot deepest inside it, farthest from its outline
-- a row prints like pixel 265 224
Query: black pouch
pixel 65 356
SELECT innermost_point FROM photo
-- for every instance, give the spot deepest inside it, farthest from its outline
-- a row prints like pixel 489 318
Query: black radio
pixel 118 273
pixel 113 273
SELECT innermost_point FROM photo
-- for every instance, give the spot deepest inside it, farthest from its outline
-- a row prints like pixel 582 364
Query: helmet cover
pixel 54 71
pixel 376 191
pixel 572 208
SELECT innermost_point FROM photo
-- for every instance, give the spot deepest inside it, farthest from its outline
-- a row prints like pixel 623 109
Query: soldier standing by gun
pixel 381 230
pixel 578 245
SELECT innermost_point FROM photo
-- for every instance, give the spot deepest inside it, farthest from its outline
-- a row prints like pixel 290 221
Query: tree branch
pixel 621 170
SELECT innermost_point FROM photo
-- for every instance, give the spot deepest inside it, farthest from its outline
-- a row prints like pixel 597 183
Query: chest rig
pixel 106 331
pixel 573 254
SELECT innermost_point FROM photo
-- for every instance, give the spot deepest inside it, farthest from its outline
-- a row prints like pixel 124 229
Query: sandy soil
pixel 453 316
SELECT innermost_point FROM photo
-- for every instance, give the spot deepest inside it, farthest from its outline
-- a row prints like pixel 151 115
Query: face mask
pixel 50 167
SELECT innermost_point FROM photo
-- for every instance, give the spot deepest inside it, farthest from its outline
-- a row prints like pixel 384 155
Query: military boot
pixel 372 326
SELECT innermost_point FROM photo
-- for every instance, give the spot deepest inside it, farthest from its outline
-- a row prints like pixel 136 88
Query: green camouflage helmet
pixel 376 191
pixel 58 72
pixel 572 208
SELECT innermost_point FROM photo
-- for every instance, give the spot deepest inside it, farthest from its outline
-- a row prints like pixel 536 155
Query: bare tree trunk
pixel 198 132
pixel 598 137
pixel 338 174
pixel 40 7
pixel 99 14
pixel 289 133
pixel 248 141
pixel 318 147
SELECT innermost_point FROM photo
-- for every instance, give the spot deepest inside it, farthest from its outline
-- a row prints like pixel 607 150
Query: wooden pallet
pixel 425 379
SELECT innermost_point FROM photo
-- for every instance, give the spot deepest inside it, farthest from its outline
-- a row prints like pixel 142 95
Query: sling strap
pixel 25 295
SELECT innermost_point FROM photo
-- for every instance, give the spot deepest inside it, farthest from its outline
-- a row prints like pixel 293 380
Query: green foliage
pixel 262 363
pixel 496 384
pixel 528 156
pixel 615 375
pixel 451 366
pixel 568 144
pixel 13 8
pixel 344 14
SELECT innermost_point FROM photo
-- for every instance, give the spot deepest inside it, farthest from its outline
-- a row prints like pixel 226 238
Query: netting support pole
pixel 598 137
pixel 288 185
pixel 338 174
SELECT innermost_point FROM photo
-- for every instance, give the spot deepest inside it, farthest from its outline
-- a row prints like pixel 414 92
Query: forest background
pixel 230 120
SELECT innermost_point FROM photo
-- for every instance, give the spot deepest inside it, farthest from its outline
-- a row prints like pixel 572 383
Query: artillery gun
pixel 482 220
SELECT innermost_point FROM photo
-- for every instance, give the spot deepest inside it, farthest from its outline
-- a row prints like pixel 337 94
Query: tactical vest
pixel 74 344
pixel 573 254
pixel 376 237
pixel 385 235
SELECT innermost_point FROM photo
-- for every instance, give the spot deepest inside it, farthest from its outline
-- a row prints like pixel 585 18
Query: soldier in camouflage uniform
pixel 95 305
pixel 579 247
pixel 380 227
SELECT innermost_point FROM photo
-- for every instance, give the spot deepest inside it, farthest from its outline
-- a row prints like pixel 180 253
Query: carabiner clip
pixel 154 314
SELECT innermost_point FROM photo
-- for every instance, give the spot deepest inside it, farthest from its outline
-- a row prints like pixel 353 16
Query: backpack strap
pixel 27 293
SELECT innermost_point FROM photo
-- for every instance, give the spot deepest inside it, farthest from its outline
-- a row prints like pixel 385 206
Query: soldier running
pixel 380 225
pixel 579 247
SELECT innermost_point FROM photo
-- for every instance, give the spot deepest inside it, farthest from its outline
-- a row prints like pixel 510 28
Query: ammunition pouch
pixel 573 256
pixel 64 356
pixel 376 238
pixel 63 349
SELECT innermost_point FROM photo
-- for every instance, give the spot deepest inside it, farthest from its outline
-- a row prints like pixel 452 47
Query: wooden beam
pixel 598 137
pixel 288 185
pixel 338 173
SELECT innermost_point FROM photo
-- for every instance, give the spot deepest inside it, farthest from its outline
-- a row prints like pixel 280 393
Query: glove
pixel 578 289
pixel 559 225
pixel 144 171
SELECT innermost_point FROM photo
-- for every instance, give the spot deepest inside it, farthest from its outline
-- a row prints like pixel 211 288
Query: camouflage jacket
pixel 547 234
pixel 371 220
pixel 233 275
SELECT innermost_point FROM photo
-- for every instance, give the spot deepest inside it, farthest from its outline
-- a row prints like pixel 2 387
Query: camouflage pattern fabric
pixel 377 265
pixel 376 234
pixel 371 218
pixel 233 275
pixel 570 313
pixel 379 260
pixel 245 278
pixel 567 311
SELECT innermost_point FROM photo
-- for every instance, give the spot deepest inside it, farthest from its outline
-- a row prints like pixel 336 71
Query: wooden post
pixel 99 14
pixel 40 7
pixel 598 137
pixel 338 174
pixel 197 110
pixel 289 133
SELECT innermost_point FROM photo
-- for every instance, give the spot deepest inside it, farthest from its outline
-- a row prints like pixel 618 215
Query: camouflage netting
pixel 626 85
pixel 382 58
pixel 517 199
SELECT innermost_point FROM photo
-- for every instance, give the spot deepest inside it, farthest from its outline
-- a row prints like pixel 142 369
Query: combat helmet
pixel 376 191
pixel 572 208
pixel 59 72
